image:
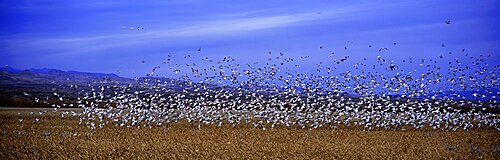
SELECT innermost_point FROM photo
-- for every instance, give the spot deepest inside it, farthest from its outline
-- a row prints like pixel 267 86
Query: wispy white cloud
pixel 219 25
pixel 241 25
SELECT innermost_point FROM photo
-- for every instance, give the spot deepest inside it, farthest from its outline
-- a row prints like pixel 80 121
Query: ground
pixel 56 138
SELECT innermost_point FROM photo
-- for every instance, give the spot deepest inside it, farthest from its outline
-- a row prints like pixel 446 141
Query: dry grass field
pixel 56 138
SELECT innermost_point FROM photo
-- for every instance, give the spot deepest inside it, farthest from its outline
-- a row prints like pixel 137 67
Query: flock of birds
pixel 275 95
pixel 133 28
pixel 459 92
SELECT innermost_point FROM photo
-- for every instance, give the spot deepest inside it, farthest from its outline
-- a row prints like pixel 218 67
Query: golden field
pixel 56 138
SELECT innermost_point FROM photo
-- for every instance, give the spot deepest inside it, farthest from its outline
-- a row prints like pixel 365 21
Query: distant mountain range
pixel 20 87
pixel 11 76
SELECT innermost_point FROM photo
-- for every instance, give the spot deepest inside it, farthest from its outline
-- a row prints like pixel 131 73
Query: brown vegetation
pixel 56 138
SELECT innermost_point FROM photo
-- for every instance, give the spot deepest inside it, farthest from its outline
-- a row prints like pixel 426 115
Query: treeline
pixel 10 101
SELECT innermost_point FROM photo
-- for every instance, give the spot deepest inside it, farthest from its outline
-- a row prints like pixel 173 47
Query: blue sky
pixel 88 35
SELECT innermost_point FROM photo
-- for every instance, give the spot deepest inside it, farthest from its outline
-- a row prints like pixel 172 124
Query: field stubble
pixel 56 138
